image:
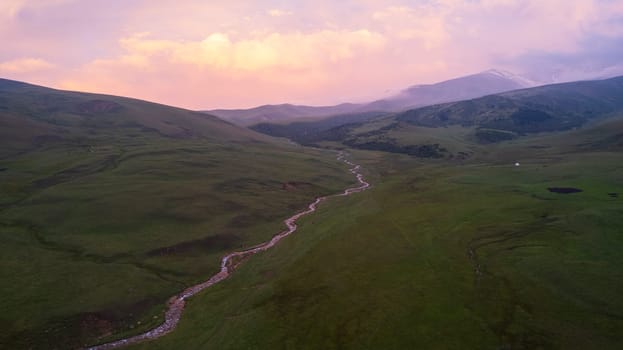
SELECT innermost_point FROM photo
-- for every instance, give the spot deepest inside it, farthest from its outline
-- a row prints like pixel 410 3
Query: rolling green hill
pixel 456 130
pixel 454 246
pixel 281 113
pixel 34 116
pixel 110 205
pixel 540 109
pixel 307 132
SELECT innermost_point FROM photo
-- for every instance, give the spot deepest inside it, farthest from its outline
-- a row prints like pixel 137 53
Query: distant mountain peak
pixel 499 72
pixel 466 87
pixel 526 82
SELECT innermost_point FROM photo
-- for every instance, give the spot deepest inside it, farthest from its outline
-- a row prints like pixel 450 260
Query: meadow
pixel 109 206
pixel 97 238
pixel 439 254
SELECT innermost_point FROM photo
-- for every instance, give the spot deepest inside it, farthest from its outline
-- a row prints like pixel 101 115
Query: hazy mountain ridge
pixel 470 86
pixel 281 112
pixel 551 107
pixel 488 119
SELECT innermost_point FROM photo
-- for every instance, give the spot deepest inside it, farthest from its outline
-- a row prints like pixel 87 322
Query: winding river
pixel 228 265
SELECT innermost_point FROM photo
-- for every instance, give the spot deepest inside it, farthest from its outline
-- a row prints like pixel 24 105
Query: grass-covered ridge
pixel 459 127
pixel 35 116
pixel 111 205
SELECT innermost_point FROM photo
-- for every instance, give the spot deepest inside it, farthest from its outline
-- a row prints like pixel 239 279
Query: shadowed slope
pixel 32 116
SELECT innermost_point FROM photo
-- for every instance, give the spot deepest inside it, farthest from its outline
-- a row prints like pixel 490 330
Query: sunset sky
pixel 238 53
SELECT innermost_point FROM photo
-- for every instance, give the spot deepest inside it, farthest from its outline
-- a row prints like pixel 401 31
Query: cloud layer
pixel 200 54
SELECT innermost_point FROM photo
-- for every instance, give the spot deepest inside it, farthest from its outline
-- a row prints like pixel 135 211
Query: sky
pixel 204 54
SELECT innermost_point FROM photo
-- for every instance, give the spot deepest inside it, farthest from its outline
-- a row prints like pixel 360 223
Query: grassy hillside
pixel 34 116
pixel 540 109
pixel 476 254
pixel 281 113
pixel 308 132
pixel 457 130
pixel 454 247
pixel 108 206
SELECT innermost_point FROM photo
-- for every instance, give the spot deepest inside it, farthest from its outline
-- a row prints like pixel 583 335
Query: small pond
pixel 564 190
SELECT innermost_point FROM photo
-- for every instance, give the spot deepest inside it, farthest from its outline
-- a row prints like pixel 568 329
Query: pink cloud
pixel 24 65
pixel 202 54
pixel 262 66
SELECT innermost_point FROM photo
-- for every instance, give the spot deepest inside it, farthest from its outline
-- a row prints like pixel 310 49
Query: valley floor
pixel 439 254
pixel 473 255
pixel 96 239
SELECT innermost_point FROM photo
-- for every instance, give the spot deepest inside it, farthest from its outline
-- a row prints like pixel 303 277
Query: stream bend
pixel 229 262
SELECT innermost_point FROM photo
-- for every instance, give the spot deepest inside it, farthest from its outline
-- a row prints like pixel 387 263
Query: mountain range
pixel 470 86
pixel 488 119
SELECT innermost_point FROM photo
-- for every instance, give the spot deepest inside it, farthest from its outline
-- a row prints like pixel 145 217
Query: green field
pixel 438 255
pixel 109 206
pixel 95 253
